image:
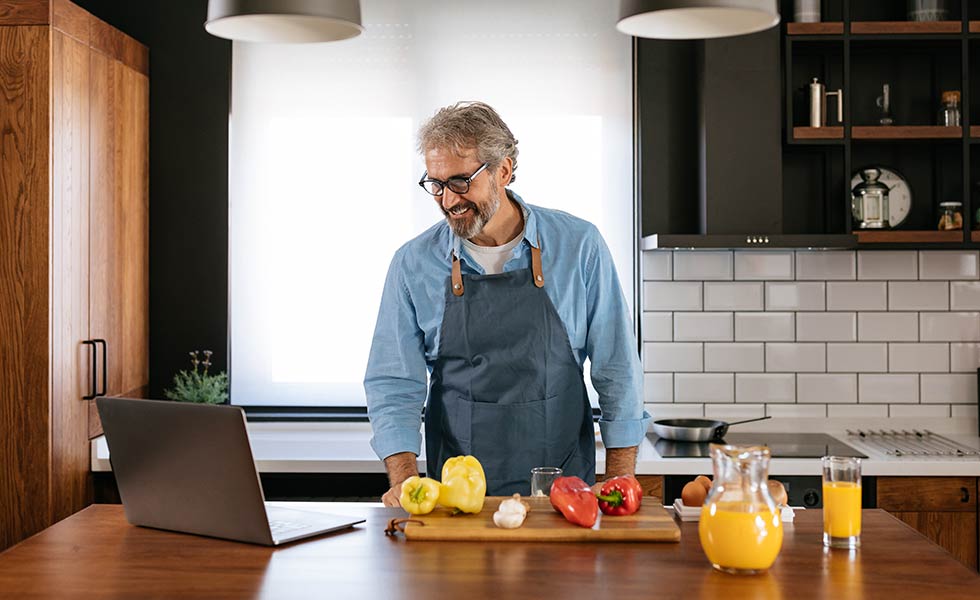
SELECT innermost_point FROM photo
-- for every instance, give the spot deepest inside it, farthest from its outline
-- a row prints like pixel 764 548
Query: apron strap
pixel 457 277
pixel 536 266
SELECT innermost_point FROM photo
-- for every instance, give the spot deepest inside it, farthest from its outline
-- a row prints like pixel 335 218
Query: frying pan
pixel 695 430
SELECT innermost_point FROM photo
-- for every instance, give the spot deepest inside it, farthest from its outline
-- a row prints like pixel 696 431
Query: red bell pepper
pixel 620 496
pixel 574 499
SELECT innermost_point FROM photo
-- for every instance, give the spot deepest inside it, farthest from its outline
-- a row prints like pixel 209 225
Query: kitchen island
pixel 95 554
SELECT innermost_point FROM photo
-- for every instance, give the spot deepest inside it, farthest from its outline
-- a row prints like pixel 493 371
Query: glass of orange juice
pixel 841 501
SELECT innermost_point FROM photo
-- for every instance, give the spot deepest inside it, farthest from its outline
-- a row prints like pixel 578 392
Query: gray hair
pixel 466 125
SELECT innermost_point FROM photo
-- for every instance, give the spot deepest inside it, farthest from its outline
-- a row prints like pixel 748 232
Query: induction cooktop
pixel 781 445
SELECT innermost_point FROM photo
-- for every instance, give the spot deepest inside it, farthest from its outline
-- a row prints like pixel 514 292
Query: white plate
pixel 899 195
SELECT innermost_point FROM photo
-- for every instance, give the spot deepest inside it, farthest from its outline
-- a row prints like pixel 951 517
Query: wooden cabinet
pixel 73 248
pixel 944 509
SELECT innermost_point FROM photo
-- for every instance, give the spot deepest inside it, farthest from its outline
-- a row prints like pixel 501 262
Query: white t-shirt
pixel 492 258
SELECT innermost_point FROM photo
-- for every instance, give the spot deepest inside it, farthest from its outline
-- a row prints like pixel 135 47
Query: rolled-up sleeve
pixel 611 346
pixel 395 381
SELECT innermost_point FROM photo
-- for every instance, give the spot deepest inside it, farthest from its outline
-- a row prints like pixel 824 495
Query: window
pixel 323 166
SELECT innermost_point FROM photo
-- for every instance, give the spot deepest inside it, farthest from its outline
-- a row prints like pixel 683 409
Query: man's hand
pixel 619 461
pixel 400 467
pixel 391 497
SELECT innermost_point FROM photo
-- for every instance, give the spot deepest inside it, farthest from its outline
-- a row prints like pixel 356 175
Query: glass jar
pixel 869 201
pixel 926 10
pixel 949 110
pixel 741 529
pixel 951 216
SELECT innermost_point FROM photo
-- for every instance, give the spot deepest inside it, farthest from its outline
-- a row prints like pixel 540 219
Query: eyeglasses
pixel 459 185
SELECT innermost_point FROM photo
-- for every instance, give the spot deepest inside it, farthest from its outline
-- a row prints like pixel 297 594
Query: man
pixel 501 303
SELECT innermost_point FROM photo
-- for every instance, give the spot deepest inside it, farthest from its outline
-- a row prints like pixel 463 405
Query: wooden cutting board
pixel 543 524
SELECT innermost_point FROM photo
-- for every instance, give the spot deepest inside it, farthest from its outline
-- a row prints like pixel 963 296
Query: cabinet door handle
pixel 92 356
pixel 105 368
pixel 966 495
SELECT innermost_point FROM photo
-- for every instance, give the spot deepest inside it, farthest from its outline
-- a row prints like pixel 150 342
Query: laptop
pixel 189 468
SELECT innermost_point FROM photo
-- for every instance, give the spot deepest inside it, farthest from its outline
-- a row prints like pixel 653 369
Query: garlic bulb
pixel 511 513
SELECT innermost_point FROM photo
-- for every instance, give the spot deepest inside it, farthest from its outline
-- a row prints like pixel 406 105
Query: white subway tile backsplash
pixel 667 357
pixel 826 327
pixel 964 295
pixel 826 389
pixel 857 411
pixel 766 388
pixel 734 357
pixel 964 358
pixel 703 327
pixel 765 327
pixel 823 265
pixel 795 296
pixel 733 296
pixel 672 295
pixel 658 388
pixel 918 358
pixel 888 389
pixel 657 265
pixel 796 411
pixel 765 264
pixel 949 389
pixel 658 326
pixel 888 327
pixel 857 358
pixel 918 295
pixel 702 265
pixel 704 387
pixel 950 327
pixel 946 264
pixel 867 335
pixel 797 358
pixel 918 411
pixel 878 264
pixel 675 411
pixel 734 412
pixel 857 295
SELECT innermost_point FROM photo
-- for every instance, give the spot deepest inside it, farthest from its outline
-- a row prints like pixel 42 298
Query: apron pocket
pixel 457 427
pixel 510 439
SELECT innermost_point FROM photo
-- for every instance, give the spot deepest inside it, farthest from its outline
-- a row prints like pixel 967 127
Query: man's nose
pixel 449 198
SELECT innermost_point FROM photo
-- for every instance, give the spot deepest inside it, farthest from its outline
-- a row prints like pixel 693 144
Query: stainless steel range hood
pixel 726 240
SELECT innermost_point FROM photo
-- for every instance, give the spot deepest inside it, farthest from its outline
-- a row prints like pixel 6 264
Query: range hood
pixel 710 150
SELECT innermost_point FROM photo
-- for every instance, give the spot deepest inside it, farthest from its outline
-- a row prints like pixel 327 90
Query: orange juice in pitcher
pixel 740 529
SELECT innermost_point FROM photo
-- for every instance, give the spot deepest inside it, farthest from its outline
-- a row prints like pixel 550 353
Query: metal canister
pixel 818 108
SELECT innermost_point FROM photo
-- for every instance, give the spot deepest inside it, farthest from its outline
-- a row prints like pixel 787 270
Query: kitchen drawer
pixel 914 494
pixel 954 531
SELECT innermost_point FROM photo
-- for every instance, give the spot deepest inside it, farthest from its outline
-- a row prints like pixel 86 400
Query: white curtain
pixel 323 166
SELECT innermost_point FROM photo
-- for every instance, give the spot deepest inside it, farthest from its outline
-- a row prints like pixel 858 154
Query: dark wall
pixel 190 77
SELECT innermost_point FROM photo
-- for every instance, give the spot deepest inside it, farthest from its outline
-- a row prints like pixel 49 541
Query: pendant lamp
pixel 284 21
pixel 695 19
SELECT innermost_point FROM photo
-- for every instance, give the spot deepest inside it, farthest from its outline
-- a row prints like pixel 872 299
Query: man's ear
pixel 505 171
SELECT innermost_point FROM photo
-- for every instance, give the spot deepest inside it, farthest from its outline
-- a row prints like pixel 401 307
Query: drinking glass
pixel 841 501
pixel 542 478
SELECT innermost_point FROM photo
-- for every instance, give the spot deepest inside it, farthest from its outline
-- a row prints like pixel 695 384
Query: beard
pixel 479 215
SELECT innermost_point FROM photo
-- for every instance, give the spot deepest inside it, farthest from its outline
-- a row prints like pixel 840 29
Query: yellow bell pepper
pixel 464 485
pixel 419 495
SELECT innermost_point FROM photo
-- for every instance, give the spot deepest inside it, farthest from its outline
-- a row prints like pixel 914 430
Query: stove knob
pixel 811 498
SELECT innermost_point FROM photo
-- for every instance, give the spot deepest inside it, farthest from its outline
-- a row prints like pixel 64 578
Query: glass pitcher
pixel 741 529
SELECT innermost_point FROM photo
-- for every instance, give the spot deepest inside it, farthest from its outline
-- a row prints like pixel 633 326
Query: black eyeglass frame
pixel 449 183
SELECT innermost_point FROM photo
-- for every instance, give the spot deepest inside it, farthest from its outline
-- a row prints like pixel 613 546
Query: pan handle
pixel 750 420
pixel 722 429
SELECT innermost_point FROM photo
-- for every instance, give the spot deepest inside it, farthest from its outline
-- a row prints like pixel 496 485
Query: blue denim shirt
pixel 581 281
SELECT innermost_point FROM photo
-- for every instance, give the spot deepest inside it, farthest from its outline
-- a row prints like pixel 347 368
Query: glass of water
pixel 542 478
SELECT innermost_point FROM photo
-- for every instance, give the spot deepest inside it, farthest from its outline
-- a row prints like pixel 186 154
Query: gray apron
pixel 506 387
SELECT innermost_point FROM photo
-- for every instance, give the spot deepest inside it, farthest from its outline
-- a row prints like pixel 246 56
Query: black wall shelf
pixel 861 46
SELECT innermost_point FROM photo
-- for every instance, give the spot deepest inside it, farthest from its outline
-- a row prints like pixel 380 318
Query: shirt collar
pixel 530 228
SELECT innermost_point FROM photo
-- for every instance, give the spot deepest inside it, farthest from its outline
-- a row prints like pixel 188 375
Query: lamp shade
pixel 284 21
pixel 695 19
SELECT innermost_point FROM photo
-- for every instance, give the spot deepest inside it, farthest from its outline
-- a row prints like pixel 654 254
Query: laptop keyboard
pixel 284 528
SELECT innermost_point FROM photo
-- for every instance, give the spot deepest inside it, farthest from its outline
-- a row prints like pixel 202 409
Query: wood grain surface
pixel 894 562
pixel 887 236
pixel 24 12
pixel 71 360
pixel 957 494
pixel 818 133
pixel 824 28
pixel 119 46
pixel 955 531
pixel 650 524
pixel 898 27
pixel 71 20
pixel 905 132
pixel 24 339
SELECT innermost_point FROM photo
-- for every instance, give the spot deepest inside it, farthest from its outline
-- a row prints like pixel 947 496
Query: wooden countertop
pixel 95 553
